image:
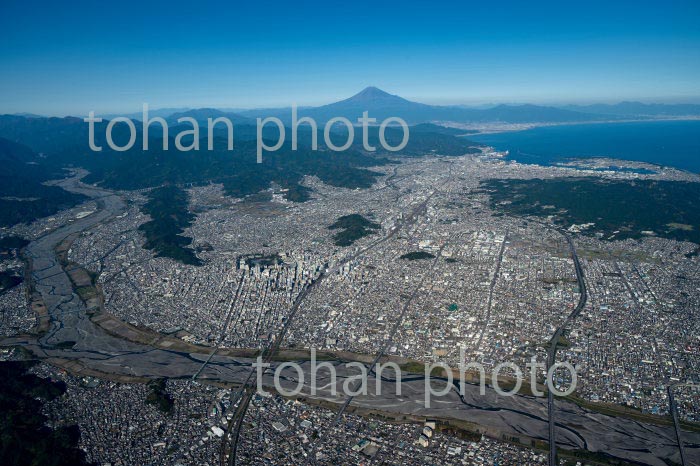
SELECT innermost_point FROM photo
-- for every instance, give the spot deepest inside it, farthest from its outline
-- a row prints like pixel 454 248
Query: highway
pixel 229 444
pixel 396 326
pixel 554 342
pixel 676 423
pixel 492 286
pixel 95 352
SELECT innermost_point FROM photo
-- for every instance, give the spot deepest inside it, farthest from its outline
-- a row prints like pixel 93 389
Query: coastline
pixel 496 127
pixel 657 145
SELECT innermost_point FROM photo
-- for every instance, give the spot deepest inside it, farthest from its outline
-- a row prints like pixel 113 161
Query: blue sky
pixel 111 57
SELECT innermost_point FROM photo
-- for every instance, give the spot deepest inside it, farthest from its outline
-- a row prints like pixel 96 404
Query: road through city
pixel 74 342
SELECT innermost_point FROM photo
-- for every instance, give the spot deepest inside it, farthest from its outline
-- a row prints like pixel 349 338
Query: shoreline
pixel 496 128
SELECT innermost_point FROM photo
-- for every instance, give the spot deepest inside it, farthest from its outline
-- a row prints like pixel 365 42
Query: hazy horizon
pixel 436 102
pixel 80 57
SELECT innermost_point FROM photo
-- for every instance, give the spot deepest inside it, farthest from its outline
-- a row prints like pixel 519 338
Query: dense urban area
pixel 428 263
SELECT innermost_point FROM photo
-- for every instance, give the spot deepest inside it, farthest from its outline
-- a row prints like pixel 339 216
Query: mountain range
pixel 381 105
pixel 636 109
pixel 35 149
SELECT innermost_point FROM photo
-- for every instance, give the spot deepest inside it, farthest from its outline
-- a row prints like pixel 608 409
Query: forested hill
pixel 23 196
pixel 64 142
pixel 38 149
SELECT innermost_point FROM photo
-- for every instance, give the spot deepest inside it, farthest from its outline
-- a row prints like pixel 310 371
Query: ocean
pixel 669 143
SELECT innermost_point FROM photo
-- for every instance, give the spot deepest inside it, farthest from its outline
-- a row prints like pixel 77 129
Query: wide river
pixel 516 416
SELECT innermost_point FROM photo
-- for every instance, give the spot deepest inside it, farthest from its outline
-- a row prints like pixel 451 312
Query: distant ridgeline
pixel 42 147
pixel 617 209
